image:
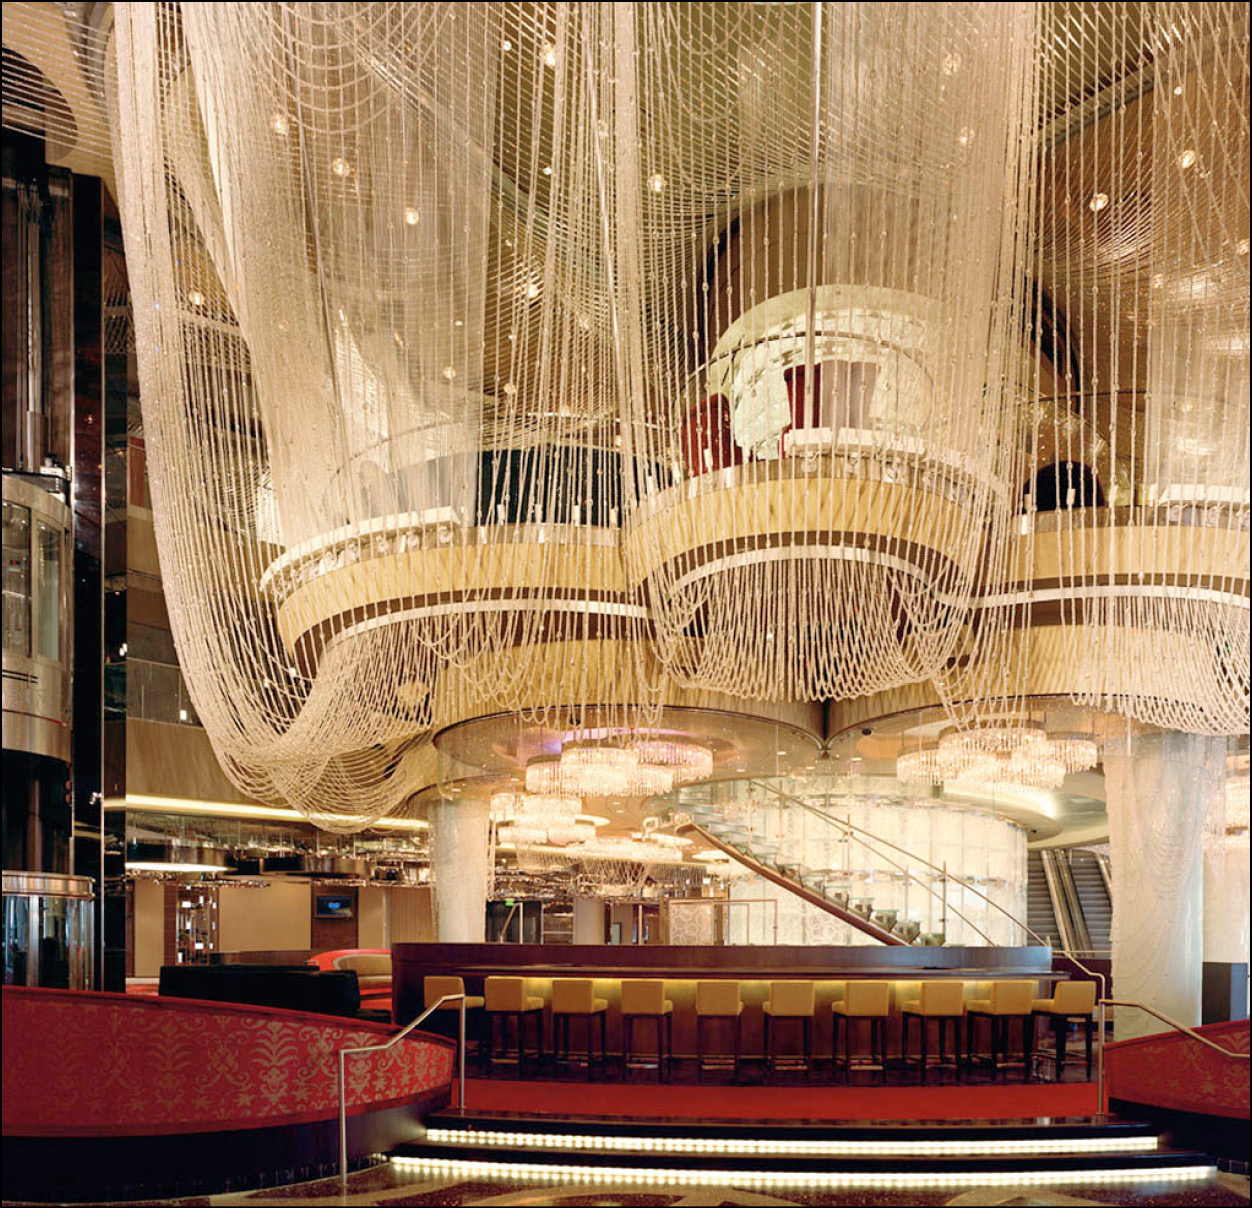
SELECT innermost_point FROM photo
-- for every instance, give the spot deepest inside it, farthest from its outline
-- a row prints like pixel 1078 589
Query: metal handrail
pixel 374 1048
pixel 1060 906
pixel 1080 933
pixel 1065 951
pixel 935 867
pixel 1105 1003
pixel 902 868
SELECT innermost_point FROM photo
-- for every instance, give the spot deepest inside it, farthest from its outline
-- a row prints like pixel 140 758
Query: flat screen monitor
pixel 332 906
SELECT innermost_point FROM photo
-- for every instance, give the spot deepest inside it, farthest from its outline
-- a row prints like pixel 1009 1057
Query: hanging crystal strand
pixel 826 502
pixel 1143 268
pixel 376 318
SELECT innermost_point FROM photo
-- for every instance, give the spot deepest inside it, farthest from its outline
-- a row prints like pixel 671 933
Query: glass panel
pixel 48 545
pixel 16 940
pixel 16 578
pixel 152 690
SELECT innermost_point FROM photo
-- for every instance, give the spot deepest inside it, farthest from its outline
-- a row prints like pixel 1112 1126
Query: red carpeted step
pixel 783 1103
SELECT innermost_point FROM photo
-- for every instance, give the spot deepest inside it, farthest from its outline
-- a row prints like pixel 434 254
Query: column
pixel 1226 874
pixel 460 867
pixel 1159 787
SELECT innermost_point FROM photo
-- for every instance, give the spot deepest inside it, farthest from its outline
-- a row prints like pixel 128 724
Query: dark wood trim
pixel 86 1169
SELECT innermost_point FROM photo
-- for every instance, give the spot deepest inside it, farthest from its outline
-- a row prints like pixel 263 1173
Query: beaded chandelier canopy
pixel 542 356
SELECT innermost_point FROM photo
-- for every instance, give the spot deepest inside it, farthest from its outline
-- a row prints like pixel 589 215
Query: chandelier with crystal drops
pixel 816 406
pixel 994 756
pixel 379 378
pixel 1134 530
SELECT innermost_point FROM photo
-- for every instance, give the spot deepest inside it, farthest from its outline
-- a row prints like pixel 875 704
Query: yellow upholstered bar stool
pixel 644 998
pixel 718 1000
pixel 1007 1001
pixel 793 1001
pixel 575 998
pixel 506 998
pixel 941 1002
pixel 1071 1000
pixel 862 1000
pixel 435 987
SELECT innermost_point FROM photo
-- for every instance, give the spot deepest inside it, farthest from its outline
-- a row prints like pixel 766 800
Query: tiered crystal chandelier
pixel 600 769
pixel 686 761
pixel 816 406
pixel 531 819
pixel 992 756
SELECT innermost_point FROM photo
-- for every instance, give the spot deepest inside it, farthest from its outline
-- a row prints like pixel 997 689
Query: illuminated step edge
pixel 484 1138
pixel 549 1173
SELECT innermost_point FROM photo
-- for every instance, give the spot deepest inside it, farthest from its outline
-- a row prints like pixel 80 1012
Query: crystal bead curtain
pixel 375 352
pixel 1136 503
pixel 811 217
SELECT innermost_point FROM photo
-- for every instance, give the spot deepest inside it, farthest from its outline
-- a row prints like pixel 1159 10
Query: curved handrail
pixel 374 1048
pixel 904 869
pixel 1173 1023
pixel 1105 1003
pixel 1066 952
pixel 749 861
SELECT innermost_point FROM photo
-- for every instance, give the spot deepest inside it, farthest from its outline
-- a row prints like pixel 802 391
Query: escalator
pixel 1040 911
pixel 1091 883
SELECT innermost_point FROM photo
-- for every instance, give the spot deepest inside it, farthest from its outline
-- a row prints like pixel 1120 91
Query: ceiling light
pixel 656 183
pixel 548 54
pixel 411 216
pixel 340 166
pixel 170 855
pixel 1098 202
pixel 1187 159
pixel 687 761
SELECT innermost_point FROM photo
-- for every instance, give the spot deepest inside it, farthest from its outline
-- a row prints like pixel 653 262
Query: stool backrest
pixel 942 998
pixel 717 998
pixel 1012 997
pixel 643 996
pixel 1075 997
pixel 572 995
pixel 868 998
pixel 792 997
pixel 435 987
pixel 504 994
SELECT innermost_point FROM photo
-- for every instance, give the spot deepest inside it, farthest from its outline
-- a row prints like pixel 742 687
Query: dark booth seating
pixel 287 987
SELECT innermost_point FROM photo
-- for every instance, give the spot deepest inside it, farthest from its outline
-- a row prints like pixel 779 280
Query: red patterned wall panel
pixel 88 1064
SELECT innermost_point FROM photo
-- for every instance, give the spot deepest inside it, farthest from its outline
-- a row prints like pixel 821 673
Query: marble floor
pixel 385 1184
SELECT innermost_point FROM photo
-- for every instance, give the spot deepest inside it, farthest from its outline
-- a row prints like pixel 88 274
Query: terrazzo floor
pixel 388 1185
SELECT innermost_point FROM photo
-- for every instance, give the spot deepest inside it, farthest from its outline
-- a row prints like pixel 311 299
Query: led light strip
pixel 786 1178
pixel 826 1148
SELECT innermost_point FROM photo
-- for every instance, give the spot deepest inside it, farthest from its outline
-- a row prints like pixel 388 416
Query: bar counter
pixel 754 967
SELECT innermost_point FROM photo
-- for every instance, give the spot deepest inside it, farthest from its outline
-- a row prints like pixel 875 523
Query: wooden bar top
pixel 748 962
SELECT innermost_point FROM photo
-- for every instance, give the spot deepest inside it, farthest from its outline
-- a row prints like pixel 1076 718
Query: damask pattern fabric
pixel 1172 1071
pixel 82 1064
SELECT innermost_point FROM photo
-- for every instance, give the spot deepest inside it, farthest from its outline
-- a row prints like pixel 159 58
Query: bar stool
pixel 644 998
pixel 1008 1001
pixel 943 1002
pixel 506 997
pixel 435 987
pixel 793 1001
pixel 1071 1000
pixel 575 998
pixel 718 1000
pixel 862 1000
